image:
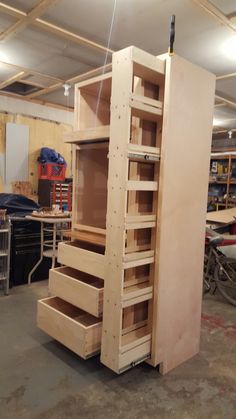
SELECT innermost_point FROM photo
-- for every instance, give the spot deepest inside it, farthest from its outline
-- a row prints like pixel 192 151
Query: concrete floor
pixel 41 379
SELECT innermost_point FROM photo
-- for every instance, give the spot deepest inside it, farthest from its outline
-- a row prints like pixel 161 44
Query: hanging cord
pixel 106 57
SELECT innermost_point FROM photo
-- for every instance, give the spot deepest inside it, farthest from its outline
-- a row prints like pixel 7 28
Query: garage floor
pixel 41 379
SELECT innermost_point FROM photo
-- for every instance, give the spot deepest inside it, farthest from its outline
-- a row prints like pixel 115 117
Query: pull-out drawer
pixel 83 256
pixel 78 288
pixel 74 328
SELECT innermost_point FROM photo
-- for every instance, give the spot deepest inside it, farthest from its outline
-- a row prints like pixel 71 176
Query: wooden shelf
pixel 88 237
pixel 220 182
pixel 227 182
pixel 89 135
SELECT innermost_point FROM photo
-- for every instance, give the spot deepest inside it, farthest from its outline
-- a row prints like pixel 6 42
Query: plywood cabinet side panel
pixel 183 185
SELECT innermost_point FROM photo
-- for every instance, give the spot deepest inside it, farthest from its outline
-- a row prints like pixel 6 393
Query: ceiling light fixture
pixel 66 89
pixel 229 48
pixel 216 122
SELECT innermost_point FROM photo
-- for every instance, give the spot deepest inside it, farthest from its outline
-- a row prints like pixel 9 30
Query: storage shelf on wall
pixel 222 197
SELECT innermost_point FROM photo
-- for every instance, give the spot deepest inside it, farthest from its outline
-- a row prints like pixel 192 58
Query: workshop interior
pixel 117 209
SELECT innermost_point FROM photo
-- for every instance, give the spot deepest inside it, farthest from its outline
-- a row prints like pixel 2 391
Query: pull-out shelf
pixel 78 288
pixel 74 328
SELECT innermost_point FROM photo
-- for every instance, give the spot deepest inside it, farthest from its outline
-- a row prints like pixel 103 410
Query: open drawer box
pixel 78 288
pixel 83 256
pixel 74 328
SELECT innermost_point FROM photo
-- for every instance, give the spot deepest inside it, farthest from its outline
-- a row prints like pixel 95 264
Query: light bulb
pixel 66 89
pixel 229 48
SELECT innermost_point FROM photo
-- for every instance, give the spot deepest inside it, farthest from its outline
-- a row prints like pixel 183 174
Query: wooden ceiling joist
pixel 220 104
pixel 31 72
pixel 44 91
pixel 70 36
pixel 24 21
pixel 91 73
pixel 12 11
pixel 13 79
pixel 37 101
pixel 216 13
pixel 72 80
pixel 226 76
pixel 57 30
pixel 231 103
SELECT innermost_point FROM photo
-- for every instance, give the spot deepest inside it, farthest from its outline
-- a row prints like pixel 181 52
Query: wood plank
pixel 194 88
pixel 122 84
pixel 216 13
pixel 145 112
pixel 91 73
pixel 96 80
pixel 90 229
pixel 58 30
pixel 147 60
pixel 141 185
pixel 140 225
pixel 129 219
pixel 145 100
pixel 226 216
pixel 135 281
pixel 137 300
pixel 13 79
pixel 135 338
pixel 139 353
pixel 71 36
pixel 134 327
pixel 88 237
pixel 135 263
pixel 136 294
pixel 92 134
pixel 138 255
pixel 24 21
pixel 143 149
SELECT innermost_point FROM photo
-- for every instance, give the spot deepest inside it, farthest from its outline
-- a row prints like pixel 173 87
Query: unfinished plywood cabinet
pixel 141 139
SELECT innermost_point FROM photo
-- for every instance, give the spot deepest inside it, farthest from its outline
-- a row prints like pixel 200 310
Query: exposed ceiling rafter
pixel 91 73
pixel 226 76
pixel 57 30
pixel 38 101
pixel 32 72
pixel 26 20
pixel 48 89
pixel 13 79
pixel 216 13
pixel 231 103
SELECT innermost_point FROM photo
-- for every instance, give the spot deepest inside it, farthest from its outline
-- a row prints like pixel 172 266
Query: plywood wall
pixel 41 134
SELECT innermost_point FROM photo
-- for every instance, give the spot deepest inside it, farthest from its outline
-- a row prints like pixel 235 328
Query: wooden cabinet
pixel 142 137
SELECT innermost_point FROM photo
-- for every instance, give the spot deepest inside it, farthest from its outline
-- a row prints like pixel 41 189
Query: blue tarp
pixel 48 155
pixel 17 204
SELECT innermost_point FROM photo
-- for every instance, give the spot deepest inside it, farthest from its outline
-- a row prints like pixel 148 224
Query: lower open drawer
pixel 78 288
pixel 74 328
